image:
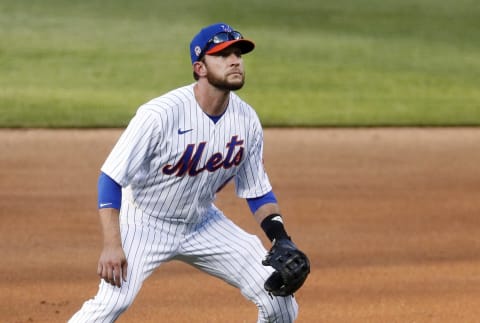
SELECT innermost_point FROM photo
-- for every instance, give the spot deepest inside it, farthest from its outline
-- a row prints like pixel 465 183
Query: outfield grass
pixel 317 63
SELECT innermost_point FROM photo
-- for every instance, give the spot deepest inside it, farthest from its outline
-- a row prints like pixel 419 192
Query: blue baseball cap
pixel 215 38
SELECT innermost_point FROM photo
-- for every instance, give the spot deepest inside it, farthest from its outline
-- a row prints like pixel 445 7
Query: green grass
pixel 317 63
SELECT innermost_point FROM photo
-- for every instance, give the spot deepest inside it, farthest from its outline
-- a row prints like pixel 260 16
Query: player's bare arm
pixel 112 265
pixel 266 210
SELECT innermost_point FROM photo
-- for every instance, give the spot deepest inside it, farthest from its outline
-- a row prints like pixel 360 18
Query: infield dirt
pixel 389 218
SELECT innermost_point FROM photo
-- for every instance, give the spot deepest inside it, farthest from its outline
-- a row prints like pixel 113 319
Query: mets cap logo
pixel 226 28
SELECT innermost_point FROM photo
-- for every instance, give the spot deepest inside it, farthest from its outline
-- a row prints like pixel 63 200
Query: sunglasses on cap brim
pixel 220 38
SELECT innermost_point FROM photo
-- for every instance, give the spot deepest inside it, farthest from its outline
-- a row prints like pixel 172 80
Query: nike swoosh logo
pixel 181 132
pixel 105 204
pixel 277 218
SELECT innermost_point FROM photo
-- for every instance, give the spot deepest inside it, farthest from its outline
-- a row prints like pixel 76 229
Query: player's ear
pixel 199 68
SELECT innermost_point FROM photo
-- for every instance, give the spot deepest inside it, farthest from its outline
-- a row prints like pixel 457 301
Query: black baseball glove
pixel 291 268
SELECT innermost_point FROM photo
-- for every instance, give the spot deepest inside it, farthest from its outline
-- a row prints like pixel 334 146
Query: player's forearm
pixel 265 210
pixel 110 226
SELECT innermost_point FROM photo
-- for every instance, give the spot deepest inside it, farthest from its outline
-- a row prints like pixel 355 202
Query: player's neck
pixel 211 100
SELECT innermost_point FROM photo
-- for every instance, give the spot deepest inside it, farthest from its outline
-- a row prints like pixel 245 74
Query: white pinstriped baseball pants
pixel 216 246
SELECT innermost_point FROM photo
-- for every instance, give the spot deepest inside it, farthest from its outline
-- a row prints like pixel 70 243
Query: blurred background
pixel 70 63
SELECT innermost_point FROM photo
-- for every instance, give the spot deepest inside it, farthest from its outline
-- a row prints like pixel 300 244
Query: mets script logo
pixel 188 163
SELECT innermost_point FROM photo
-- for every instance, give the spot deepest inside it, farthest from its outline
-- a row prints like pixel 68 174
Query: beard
pixel 224 84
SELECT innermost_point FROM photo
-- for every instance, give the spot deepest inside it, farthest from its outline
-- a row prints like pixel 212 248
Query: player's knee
pixel 278 310
pixel 106 306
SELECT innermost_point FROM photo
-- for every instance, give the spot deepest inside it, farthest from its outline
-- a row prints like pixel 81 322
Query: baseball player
pixel 157 187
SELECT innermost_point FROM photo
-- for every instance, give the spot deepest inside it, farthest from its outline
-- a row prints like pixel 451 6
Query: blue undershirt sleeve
pixel 109 192
pixel 257 202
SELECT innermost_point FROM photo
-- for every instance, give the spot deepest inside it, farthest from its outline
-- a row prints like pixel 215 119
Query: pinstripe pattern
pixel 171 160
pixel 151 141
pixel 216 246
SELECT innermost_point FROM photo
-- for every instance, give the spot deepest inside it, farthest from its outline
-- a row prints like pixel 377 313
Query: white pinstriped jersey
pixel 174 158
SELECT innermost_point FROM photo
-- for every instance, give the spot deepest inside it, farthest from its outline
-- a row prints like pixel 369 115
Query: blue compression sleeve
pixel 257 202
pixel 109 192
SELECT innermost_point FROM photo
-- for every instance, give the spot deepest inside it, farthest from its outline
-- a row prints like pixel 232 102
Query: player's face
pixel 225 70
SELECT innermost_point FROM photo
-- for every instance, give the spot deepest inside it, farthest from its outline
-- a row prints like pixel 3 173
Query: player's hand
pixel 112 265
